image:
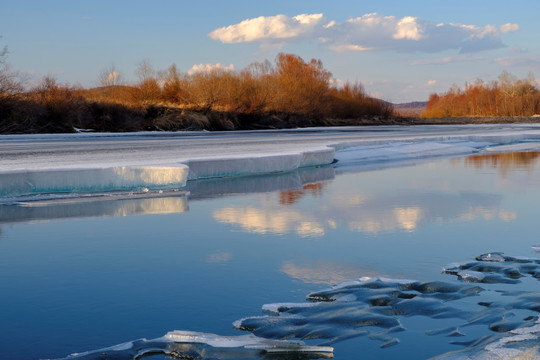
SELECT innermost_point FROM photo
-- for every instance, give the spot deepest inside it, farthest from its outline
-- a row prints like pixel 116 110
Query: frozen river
pixel 333 242
pixel 34 164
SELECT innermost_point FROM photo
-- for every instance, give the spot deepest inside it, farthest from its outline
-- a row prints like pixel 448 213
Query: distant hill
pixel 410 108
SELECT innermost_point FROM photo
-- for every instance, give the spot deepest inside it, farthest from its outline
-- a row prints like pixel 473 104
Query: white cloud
pixel 112 77
pixel 348 47
pixel 431 82
pixel 276 27
pixel 209 68
pixel 506 28
pixel 370 32
pixel 408 28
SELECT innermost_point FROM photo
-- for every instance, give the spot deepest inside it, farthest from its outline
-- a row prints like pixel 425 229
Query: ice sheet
pixel 85 179
pixel 102 162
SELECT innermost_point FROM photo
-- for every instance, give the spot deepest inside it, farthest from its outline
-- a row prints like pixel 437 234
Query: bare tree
pixel 11 81
pixel 149 89
pixel 109 76
pixel 145 71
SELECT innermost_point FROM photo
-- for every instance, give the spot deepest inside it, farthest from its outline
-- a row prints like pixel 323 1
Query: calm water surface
pixel 76 277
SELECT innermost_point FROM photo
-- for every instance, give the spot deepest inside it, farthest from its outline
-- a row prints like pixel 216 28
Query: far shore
pixel 161 119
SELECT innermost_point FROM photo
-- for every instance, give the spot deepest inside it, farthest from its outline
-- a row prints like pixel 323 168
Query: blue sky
pixel 399 50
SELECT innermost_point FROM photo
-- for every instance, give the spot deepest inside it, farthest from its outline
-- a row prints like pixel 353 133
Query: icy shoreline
pixel 37 164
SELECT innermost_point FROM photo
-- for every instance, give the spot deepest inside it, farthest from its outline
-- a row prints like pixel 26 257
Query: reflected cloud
pixel 219 258
pixel 408 218
pixel 95 206
pixel 370 214
pixel 263 221
pixel 325 272
pixel 488 214
pixel 318 207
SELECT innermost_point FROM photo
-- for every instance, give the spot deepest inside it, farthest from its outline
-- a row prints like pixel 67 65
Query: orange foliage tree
pixel 506 97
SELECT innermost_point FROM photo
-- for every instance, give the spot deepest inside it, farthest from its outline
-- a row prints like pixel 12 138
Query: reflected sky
pixel 92 274
pixel 403 199
pixel 325 272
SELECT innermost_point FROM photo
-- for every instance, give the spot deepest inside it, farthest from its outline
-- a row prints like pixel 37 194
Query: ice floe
pixel 196 345
pixel 88 179
pixel 488 323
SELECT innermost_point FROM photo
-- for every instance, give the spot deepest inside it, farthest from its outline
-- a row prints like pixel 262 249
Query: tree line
pixel 289 92
pixel 505 97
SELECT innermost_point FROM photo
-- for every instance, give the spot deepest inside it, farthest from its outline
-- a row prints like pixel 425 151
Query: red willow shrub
pixel 290 86
pixel 291 92
pixel 506 97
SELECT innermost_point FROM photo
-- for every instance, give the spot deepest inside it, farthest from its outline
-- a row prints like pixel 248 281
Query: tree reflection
pixel 290 197
pixel 504 161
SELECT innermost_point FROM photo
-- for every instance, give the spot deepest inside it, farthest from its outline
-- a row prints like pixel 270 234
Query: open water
pixel 80 275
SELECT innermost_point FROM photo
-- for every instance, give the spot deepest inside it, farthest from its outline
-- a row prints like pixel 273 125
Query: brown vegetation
pixel 290 93
pixel 507 97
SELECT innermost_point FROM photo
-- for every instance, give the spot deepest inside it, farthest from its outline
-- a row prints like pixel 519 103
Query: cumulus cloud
pixel 506 28
pixel 370 32
pixel 209 68
pixel 113 76
pixel 276 27
pixel 431 82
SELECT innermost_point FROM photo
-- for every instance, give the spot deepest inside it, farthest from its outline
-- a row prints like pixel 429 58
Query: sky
pixel 400 51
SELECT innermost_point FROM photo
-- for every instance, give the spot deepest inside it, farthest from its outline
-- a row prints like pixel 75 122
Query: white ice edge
pixel 455 266
pixel 367 279
pixel 88 179
pixel 259 164
pixel 237 324
pixel 120 347
pixel 247 341
pixel 500 349
pixel 114 178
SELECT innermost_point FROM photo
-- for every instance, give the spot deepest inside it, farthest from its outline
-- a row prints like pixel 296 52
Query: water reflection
pixel 294 182
pixel 372 214
pixel 62 206
pixel 277 221
pixel 219 258
pixel 95 206
pixel 290 197
pixel 356 202
pixel 504 161
pixel 325 272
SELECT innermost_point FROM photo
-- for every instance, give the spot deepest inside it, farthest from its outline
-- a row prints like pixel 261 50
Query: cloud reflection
pixel 370 214
pixel 263 221
pixel 219 258
pixel 325 272
pixel 408 218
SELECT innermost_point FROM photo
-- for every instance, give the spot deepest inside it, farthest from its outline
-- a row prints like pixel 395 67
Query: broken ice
pixel 197 345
